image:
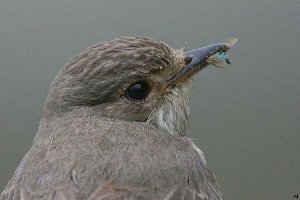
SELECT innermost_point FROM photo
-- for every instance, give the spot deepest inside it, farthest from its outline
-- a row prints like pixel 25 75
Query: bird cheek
pixel 109 110
pixel 125 111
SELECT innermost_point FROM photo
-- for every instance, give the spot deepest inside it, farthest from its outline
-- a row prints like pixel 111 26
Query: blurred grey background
pixel 246 117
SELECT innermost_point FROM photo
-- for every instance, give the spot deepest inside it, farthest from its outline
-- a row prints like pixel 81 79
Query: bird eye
pixel 137 91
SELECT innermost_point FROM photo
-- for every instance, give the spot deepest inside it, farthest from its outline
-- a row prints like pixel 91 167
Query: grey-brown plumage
pixel 97 142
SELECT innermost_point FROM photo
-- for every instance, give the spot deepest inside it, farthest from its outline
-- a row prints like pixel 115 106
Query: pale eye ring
pixel 137 91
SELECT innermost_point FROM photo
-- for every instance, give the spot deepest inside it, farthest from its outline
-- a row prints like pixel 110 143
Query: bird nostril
pixel 187 60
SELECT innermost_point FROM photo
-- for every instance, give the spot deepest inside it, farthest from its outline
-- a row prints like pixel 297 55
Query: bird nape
pixel 113 126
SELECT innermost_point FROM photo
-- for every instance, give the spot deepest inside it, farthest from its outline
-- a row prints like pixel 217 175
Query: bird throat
pixel 172 114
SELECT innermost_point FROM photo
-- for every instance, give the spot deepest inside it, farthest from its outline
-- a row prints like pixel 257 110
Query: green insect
pixel 221 58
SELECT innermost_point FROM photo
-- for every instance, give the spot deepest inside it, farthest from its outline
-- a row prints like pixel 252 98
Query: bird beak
pixel 197 59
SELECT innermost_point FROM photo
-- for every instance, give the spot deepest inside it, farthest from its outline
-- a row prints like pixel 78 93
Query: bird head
pixel 131 78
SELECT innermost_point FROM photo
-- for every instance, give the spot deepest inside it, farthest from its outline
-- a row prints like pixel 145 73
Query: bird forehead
pixel 127 55
pixel 138 52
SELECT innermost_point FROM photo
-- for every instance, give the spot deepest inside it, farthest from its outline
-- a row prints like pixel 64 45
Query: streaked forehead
pixel 125 55
pixel 131 43
pixel 137 52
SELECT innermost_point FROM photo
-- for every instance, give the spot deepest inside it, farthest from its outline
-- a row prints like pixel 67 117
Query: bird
pixel 113 127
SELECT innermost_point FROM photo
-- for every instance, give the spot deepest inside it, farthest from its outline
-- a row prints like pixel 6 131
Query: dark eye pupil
pixel 137 91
